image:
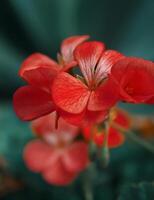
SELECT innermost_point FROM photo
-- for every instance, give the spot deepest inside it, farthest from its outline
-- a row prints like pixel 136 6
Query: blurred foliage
pixel 142 191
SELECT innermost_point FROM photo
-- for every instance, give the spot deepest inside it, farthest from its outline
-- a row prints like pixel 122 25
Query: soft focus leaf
pixel 141 191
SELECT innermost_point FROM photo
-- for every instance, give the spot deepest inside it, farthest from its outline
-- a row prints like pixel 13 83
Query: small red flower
pixel 55 155
pixel 135 79
pixel 115 137
pixel 87 99
pixel 39 71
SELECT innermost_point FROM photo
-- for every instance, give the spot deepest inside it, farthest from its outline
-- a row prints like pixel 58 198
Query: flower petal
pixel 104 97
pixel 46 125
pixel 68 46
pixel 69 93
pixel 40 157
pixel 135 77
pixel 36 155
pixel 58 175
pixel 39 70
pixel 107 60
pixel 74 119
pixel 150 101
pixel 31 102
pixel 115 138
pixel 87 55
pixel 76 157
pixel 87 132
pixel 121 117
pixel 85 118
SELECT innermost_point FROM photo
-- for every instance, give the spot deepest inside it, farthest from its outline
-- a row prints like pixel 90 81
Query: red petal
pixel 135 78
pixel 69 44
pixel 46 125
pixel 150 101
pixel 115 138
pixel 92 133
pixel 87 132
pixel 95 117
pixel 76 157
pixel 69 93
pixel 31 102
pixel 122 118
pixel 74 119
pixel 85 118
pixel 39 70
pixel 87 55
pixel 58 175
pixel 40 157
pixel 36 155
pixel 104 97
pixel 107 60
pixel 99 139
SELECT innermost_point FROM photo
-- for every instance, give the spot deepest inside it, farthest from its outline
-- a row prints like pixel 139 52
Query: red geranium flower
pixel 87 99
pixel 35 100
pixel 55 155
pixel 115 137
pixel 135 79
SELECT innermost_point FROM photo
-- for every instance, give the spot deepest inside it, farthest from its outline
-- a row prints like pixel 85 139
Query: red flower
pixel 115 138
pixel 55 155
pixel 87 99
pixel 135 79
pixel 39 71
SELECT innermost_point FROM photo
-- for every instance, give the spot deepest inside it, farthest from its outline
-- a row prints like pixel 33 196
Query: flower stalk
pixel 87 183
pixel 103 152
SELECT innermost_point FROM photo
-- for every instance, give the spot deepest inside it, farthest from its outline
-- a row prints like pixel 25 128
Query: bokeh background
pixel 28 26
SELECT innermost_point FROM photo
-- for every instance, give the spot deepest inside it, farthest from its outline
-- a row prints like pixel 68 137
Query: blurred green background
pixel 28 26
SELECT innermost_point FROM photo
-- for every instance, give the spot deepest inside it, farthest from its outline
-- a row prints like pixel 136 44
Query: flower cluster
pixel 74 95
pixel 107 77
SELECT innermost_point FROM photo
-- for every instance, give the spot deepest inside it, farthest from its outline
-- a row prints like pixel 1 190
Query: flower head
pixel 55 155
pixel 135 79
pixel 87 99
pixel 34 100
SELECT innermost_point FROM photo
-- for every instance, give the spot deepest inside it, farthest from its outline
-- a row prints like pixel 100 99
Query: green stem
pixel 103 153
pixel 129 134
pixel 87 184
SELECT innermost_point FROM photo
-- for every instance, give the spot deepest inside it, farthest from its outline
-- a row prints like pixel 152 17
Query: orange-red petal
pixel 69 44
pixel 76 157
pixel 85 118
pixel 87 56
pixel 39 70
pixel 31 102
pixel 58 175
pixel 36 155
pixel 46 125
pixel 107 60
pixel 122 118
pixel 115 138
pixel 104 97
pixel 135 78
pixel 69 93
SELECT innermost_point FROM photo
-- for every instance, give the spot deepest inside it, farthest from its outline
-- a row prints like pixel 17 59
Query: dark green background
pixel 28 26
